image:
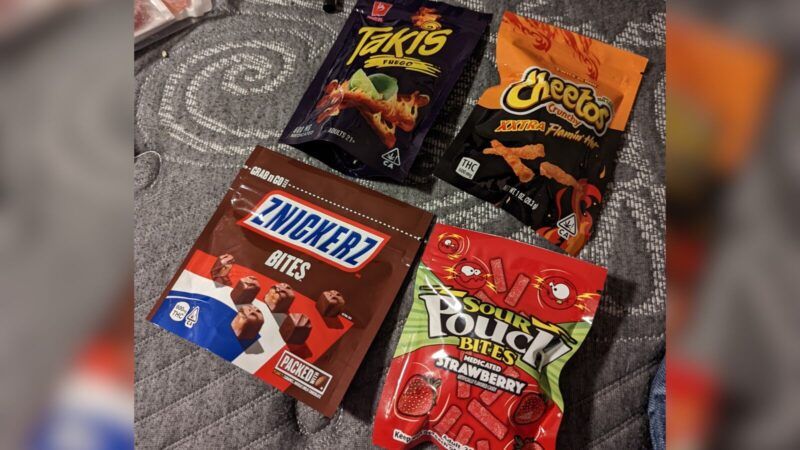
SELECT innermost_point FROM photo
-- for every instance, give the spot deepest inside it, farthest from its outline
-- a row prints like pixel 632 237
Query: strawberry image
pixel 418 396
pixel 529 409
pixel 527 444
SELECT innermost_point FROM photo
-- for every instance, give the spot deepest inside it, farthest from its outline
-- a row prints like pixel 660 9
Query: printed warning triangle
pixel 391 158
pixel 568 225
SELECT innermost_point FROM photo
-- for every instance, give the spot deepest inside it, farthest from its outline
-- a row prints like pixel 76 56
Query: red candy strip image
pixel 483 296
pixel 487 419
pixel 520 284
pixel 448 420
pixel 464 434
pixel 489 397
pixel 482 445
pixel 463 390
pixel 498 275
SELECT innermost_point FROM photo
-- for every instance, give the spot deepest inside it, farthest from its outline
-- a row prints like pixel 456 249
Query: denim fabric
pixel 657 409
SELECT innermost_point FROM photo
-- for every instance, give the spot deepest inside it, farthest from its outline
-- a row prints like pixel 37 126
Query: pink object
pixel 176 6
pixel 487 419
pixel 484 297
pixel 463 390
pixel 464 434
pixel 498 274
pixel 520 284
pixel 448 420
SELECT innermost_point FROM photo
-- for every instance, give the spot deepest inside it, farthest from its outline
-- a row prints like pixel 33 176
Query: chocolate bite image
pixel 222 268
pixel 279 297
pixel 295 329
pixel 330 303
pixel 247 323
pixel 246 290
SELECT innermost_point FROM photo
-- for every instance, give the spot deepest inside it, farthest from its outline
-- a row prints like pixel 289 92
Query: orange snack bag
pixel 542 143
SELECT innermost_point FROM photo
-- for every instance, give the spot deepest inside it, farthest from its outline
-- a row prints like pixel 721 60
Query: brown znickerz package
pixel 293 275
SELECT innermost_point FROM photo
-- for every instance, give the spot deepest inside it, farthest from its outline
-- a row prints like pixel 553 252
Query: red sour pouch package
pixel 478 363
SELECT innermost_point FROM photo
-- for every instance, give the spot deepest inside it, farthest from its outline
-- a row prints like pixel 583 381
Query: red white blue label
pixel 213 311
pixel 201 310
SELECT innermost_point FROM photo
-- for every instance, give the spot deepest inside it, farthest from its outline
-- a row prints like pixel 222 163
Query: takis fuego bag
pixel 382 84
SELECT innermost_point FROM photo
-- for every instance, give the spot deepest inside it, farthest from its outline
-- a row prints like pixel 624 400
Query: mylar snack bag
pixel 293 275
pixel 382 84
pixel 493 322
pixel 542 143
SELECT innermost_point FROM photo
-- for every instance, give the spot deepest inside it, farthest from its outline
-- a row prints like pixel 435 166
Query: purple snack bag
pixel 381 86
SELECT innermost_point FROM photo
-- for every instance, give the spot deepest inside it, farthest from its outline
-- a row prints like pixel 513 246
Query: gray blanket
pixel 232 82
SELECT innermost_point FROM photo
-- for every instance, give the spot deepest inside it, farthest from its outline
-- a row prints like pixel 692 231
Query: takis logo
pixel 403 48
pixel 315 231
pixel 493 331
pixel 400 43
pixel 538 87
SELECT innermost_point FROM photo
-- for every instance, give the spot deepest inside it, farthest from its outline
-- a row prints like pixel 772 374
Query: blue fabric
pixel 80 430
pixel 657 408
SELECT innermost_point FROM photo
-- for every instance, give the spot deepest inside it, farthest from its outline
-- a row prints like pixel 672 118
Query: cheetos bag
pixel 542 143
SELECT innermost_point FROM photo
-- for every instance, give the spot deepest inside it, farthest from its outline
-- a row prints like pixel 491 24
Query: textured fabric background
pixel 232 82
